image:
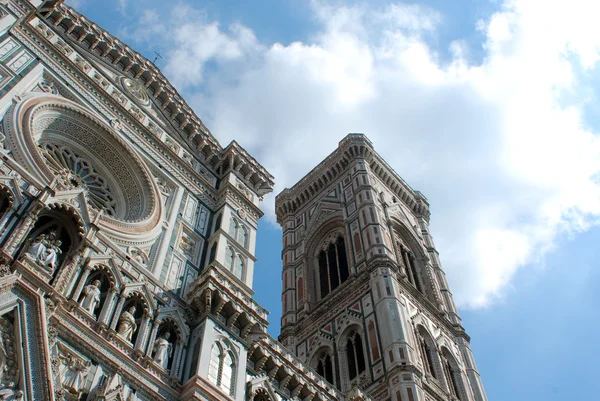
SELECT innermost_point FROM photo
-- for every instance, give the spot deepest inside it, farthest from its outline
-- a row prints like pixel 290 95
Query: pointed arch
pixel 222 368
pixel 453 375
pixel 429 353
pixel 323 362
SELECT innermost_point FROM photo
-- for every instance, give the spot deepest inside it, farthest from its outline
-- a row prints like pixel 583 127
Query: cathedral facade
pixel 127 241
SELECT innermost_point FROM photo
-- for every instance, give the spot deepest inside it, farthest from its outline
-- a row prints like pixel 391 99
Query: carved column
pixel 4 220
pixel 155 326
pixel 140 342
pixel 108 304
pixel 175 368
pixel 22 229
pixel 435 288
pixel 117 314
pixel 342 359
pixel 67 272
pixel 87 270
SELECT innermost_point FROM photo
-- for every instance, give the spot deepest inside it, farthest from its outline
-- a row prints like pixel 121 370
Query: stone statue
pixel 38 247
pixel 90 296
pixel 75 376
pixel 164 350
pixel 51 257
pixel 127 325
pixel 45 250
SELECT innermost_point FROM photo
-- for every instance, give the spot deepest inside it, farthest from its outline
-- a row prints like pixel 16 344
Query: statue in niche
pixel 40 244
pixel 76 374
pixel 164 350
pixel 127 325
pixel 90 296
pixel 45 250
pixel 52 252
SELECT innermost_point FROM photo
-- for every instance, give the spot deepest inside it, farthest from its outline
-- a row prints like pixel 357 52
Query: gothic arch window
pixel 428 352
pixel 218 222
pixel 355 356
pixel 332 265
pixel 235 263
pixel 238 269
pixel 229 258
pixel 323 365
pixel 325 368
pixel 195 357
pixel 411 265
pixel 233 228
pixel 452 375
pixel 213 253
pixel 238 232
pixel 242 237
pixel 222 367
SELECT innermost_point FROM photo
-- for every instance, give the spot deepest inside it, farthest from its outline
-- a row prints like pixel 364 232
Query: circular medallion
pixel 136 90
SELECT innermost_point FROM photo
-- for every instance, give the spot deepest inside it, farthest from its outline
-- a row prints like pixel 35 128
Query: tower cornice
pixel 354 146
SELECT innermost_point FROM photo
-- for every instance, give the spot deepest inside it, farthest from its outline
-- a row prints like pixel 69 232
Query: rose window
pixel 84 175
pixel 65 145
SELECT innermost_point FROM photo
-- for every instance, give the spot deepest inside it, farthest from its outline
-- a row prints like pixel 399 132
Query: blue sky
pixel 490 108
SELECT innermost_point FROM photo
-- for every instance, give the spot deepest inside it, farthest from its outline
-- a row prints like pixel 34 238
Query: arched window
pixel 238 270
pixel 428 352
pixel 242 236
pixel 452 373
pixel 215 361
pixel 213 253
pixel 229 258
pixel 227 373
pixel 195 357
pixel 325 368
pixel 355 356
pixel 222 369
pixel 333 266
pixel 408 259
pixel 233 228
pixel 218 222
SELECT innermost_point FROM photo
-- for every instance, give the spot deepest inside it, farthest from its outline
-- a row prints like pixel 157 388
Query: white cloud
pixel 499 147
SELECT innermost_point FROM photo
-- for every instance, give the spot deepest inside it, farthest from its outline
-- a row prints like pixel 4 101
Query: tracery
pixel 333 266
pixel 83 174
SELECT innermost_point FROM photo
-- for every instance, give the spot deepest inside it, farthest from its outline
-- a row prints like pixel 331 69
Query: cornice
pixel 89 37
pixel 293 200
pixel 85 86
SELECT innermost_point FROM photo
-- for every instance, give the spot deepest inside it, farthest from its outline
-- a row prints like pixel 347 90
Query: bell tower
pixel 365 300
